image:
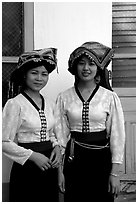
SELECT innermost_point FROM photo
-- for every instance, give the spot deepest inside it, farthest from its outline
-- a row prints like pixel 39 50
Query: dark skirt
pixel 86 176
pixel 28 183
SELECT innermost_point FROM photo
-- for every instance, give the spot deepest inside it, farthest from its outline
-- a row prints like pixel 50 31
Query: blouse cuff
pixel 55 144
pixel 62 150
pixel 30 153
pixel 117 161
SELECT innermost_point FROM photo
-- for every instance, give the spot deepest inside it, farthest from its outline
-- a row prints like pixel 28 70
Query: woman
pixel 28 130
pixel 90 125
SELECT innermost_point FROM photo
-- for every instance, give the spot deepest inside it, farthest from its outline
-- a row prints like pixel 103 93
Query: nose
pixel 39 77
pixel 86 66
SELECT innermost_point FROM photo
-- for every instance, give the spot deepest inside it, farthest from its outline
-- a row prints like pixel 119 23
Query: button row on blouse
pixel 85 117
pixel 43 125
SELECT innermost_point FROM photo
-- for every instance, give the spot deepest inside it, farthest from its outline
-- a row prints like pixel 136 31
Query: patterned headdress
pixel 28 60
pixel 98 52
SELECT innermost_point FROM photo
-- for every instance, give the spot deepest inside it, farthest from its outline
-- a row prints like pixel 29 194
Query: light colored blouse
pixel 22 123
pixel 105 112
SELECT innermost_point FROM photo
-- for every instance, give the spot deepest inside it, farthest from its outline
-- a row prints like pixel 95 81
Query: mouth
pixel 37 84
pixel 85 74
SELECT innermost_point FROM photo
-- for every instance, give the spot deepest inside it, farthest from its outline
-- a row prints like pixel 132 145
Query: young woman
pixel 28 130
pixel 90 124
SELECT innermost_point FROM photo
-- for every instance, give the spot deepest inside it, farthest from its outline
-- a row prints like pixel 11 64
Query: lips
pixel 37 84
pixel 85 74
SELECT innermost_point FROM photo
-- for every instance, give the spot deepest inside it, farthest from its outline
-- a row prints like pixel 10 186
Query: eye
pixel 91 63
pixel 33 72
pixel 81 62
pixel 45 74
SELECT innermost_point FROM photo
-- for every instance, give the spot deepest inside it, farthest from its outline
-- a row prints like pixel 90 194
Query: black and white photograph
pixel 69 101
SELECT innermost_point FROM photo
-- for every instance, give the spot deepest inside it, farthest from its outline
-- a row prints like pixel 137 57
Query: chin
pixel 37 89
pixel 87 79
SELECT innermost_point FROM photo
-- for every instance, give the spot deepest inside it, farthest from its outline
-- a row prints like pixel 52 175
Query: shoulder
pixel 67 93
pixel 14 104
pixel 104 90
pixel 108 95
pixel 107 92
pixel 49 102
pixel 15 101
pixel 111 97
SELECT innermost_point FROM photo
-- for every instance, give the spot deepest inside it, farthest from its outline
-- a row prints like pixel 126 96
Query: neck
pixel 32 94
pixel 86 85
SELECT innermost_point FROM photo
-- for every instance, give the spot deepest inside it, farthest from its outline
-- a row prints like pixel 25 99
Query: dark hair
pixel 102 78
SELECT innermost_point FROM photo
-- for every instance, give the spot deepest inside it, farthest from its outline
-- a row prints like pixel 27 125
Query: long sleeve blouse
pixel 22 124
pixel 105 112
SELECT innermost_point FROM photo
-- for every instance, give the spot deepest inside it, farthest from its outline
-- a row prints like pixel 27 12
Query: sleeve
pixel 53 138
pixel 116 129
pixel 52 135
pixel 62 129
pixel 11 122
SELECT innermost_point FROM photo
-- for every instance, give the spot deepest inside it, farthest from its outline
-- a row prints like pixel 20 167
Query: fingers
pixel 109 188
pixel 45 167
pixel 61 188
pixel 52 156
pixel 42 168
pixel 55 163
pixel 115 191
pixel 114 186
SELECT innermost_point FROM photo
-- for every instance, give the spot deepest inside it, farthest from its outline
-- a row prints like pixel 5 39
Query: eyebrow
pixel 89 60
pixel 38 70
pixel 82 60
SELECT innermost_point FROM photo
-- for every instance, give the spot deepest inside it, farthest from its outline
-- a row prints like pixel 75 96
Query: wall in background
pixel 67 25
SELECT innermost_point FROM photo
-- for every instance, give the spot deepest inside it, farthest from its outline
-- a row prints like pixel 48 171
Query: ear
pixel 97 79
pixel 98 76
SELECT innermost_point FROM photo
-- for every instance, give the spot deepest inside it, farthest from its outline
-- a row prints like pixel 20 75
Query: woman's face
pixel 37 78
pixel 86 69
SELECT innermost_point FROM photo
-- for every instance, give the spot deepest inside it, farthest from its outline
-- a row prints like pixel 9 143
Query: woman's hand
pixel 114 185
pixel 61 179
pixel 40 160
pixel 55 157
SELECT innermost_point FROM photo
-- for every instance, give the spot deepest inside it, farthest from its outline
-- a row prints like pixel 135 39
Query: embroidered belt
pixel 91 146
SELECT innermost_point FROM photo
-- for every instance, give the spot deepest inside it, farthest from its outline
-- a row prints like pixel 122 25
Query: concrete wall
pixel 66 26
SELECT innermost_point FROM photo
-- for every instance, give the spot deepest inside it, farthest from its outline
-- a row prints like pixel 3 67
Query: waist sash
pixel 37 146
pixel 90 140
